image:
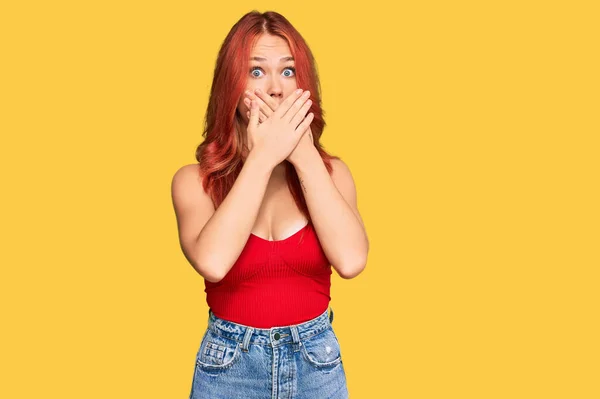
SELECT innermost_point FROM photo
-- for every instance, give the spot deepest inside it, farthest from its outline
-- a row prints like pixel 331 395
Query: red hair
pixel 220 154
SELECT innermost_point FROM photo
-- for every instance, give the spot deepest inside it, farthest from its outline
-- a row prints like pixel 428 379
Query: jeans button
pixel 276 336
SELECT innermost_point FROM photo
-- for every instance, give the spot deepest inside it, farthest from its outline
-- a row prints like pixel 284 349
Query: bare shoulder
pixel 184 177
pixel 186 171
pixel 340 169
pixel 343 180
pixel 186 188
pixel 193 208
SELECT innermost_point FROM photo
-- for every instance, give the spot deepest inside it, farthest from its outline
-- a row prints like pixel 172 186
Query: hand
pixel 267 106
pixel 277 136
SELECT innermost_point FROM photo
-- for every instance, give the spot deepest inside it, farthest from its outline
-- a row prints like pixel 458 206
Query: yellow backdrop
pixel 471 129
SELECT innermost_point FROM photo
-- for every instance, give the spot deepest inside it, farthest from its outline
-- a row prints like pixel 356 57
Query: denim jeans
pixel 301 361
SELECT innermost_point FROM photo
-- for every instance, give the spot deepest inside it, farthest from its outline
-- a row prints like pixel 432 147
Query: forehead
pixel 270 46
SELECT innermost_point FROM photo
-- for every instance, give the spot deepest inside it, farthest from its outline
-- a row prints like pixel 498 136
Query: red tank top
pixel 274 283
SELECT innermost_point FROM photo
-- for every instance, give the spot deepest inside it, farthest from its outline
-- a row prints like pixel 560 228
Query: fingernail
pixel 258 91
pixel 298 91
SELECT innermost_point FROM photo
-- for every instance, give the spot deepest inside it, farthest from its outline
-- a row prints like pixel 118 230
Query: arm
pixel 210 239
pixel 333 208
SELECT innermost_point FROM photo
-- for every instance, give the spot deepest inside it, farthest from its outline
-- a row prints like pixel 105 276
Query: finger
pixel 287 103
pixel 289 115
pixel 265 112
pixel 269 101
pixel 303 127
pixel 301 114
pixel 264 107
pixel 253 114
pixel 261 117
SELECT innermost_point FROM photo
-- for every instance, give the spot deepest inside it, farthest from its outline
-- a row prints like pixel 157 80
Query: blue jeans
pixel 301 361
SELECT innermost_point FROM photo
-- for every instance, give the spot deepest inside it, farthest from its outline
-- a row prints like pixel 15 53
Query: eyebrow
pixel 283 59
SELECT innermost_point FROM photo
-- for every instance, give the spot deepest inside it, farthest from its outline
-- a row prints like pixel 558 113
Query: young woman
pixel 263 217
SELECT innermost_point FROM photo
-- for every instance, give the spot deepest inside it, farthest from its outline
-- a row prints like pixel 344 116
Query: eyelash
pixel 257 67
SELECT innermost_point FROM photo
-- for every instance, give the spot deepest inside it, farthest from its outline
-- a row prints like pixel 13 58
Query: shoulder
pixel 340 173
pixel 187 172
pixel 344 182
pixel 337 163
pixel 186 184
pixel 185 176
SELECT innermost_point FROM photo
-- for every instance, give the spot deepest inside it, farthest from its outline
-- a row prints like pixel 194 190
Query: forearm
pixel 339 229
pixel 224 236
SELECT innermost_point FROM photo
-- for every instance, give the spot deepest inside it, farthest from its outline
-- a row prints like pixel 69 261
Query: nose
pixel 274 88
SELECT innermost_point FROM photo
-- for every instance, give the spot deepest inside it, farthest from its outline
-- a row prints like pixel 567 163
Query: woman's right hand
pixel 276 137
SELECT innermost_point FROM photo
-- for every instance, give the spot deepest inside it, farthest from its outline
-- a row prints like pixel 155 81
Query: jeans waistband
pixel 273 336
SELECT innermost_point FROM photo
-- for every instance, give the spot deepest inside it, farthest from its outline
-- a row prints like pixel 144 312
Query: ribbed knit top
pixel 274 283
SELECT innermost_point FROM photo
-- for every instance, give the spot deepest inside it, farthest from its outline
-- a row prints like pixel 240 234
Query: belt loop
pixel 214 325
pixel 295 338
pixel 330 315
pixel 246 340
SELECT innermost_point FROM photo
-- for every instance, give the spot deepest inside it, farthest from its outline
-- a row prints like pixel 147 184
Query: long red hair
pixel 220 154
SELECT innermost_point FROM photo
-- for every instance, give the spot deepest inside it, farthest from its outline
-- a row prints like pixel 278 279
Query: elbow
pixel 350 270
pixel 353 265
pixel 348 274
pixel 205 265
pixel 208 270
pixel 211 277
pixel 213 263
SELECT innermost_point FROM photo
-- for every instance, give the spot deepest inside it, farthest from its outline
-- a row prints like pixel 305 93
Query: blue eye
pixel 291 69
pixel 259 69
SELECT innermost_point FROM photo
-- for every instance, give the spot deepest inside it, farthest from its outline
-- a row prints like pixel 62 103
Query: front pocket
pixel 217 352
pixel 322 350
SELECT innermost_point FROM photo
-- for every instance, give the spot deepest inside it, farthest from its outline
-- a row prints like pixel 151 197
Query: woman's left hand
pixel 267 106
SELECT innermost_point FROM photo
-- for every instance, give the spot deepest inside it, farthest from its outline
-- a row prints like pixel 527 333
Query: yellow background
pixel 471 129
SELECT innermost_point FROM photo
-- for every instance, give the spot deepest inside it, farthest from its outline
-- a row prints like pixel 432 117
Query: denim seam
pixel 215 331
pixel 236 355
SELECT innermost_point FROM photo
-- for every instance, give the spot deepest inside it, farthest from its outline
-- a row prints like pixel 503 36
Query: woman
pixel 263 216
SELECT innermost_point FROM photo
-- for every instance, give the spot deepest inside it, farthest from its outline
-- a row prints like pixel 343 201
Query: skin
pixel 260 202
pixel 273 77
pixel 268 86
pixel 268 106
pixel 278 215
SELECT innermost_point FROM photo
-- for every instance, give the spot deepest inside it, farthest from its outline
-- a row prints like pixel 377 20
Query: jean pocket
pixel 322 350
pixel 217 353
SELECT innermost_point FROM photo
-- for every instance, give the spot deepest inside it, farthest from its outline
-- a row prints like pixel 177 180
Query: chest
pixel 278 216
